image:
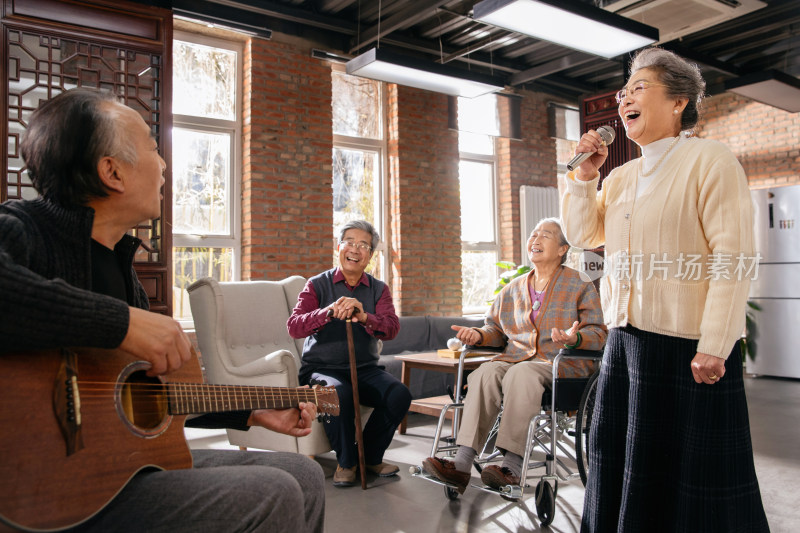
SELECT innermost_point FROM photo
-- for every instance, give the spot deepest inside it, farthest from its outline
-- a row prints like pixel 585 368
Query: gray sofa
pixel 423 334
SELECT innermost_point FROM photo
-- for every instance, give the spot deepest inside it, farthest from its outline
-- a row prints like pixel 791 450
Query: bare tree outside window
pixel 356 106
pixel 358 157
pixel 205 161
pixel 477 118
pixel 204 81
pixel 201 188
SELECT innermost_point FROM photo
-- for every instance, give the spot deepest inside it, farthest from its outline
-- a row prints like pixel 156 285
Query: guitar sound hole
pixel 142 402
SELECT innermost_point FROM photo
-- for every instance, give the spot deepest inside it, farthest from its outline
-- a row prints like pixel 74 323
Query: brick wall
pixel 424 204
pixel 287 204
pixel 530 161
pixel 765 139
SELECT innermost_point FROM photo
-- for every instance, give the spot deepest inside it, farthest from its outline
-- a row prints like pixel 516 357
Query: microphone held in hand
pixel 606 133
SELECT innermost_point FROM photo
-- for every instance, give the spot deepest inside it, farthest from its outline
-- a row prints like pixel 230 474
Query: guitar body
pixel 41 486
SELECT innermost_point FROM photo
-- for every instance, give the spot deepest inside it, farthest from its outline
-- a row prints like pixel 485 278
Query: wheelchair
pixel 559 434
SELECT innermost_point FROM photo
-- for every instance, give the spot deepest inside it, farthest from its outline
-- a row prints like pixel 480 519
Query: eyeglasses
pixel 635 90
pixel 360 246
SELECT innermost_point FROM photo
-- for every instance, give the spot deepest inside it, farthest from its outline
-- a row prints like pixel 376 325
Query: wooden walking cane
pixel 354 380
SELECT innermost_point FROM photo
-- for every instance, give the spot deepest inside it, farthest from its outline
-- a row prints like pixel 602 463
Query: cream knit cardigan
pixel 697 209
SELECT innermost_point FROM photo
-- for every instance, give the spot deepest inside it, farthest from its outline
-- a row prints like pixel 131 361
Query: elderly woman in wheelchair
pixel 534 316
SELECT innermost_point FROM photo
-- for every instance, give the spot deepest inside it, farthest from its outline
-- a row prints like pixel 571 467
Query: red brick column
pixel 765 139
pixel 287 203
pixel 424 203
pixel 530 161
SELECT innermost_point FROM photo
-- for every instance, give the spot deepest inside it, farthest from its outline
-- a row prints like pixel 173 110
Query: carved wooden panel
pixel 601 110
pixel 50 46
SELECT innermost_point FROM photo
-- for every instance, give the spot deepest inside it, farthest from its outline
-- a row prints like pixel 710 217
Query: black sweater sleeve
pixel 231 420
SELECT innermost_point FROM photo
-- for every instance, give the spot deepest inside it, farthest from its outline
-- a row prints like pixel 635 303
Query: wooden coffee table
pixel 431 361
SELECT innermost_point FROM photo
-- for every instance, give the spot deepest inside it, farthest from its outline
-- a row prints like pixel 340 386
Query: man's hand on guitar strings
pixel 157 339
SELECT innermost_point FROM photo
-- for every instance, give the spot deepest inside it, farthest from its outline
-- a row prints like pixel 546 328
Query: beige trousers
pixel 518 387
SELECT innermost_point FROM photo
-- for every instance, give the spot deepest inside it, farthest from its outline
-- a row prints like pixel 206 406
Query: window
pixel 565 127
pixel 476 172
pixel 359 149
pixel 206 163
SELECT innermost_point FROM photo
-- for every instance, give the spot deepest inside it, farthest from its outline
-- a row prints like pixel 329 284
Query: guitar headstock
pixel 327 400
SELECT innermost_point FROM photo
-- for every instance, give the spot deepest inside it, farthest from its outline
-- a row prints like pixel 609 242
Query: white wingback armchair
pixel 243 340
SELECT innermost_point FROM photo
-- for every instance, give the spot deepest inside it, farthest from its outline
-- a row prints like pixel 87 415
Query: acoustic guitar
pixel 77 427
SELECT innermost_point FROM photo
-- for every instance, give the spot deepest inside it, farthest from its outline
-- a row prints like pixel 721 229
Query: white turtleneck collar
pixel 651 154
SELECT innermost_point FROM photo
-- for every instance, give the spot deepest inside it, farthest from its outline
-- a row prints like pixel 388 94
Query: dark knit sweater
pixel 46 281
pixel 327 347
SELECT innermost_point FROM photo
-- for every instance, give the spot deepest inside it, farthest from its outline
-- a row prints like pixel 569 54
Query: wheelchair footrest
pixel 418 472
pixel 509 492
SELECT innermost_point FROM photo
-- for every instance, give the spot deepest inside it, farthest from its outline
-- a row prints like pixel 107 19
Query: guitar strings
pixel 186 397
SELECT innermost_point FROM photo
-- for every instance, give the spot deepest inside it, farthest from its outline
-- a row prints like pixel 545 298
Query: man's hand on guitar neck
pixel 157 339
pixel 295 421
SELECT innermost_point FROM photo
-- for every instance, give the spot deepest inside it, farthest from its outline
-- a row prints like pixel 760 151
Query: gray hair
pixel 62 165
pixel 363 225
pixel 117 144
pixel 681 79
pixel 562 239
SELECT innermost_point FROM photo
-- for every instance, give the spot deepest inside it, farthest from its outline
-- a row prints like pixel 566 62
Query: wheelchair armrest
pixel 580 354
pixel 493 349
pixel 570 353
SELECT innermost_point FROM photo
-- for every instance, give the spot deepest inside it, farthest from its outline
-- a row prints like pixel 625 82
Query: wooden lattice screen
pixel 50 46
pixel 601 110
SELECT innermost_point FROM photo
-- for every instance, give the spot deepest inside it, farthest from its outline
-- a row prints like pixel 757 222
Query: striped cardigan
pixel 568 299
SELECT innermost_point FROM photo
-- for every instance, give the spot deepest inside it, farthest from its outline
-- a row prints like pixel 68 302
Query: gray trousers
pixel 518 387
pixel 226 491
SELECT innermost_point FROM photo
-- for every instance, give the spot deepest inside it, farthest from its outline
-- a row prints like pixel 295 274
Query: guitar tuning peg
pixel 320 382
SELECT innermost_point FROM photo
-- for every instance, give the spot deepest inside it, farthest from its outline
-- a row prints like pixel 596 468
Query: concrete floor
pixel 406 504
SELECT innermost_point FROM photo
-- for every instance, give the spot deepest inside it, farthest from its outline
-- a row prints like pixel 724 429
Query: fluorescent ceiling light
pixel 771 87
pixel 381 65
pixel 568 23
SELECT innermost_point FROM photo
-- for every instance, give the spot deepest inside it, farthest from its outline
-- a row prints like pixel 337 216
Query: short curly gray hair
pixel 681 79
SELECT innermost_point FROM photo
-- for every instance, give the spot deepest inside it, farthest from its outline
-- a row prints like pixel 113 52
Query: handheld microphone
pixel 606 133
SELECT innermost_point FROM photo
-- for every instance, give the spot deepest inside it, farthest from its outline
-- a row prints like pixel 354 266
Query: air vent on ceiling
pixel 676 18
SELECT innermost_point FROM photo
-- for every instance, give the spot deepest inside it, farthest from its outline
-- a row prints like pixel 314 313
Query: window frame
pixel 234 128
pixel 366 144
pixel 483 246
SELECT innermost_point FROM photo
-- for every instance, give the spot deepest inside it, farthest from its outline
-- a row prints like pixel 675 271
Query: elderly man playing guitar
pixel 67 280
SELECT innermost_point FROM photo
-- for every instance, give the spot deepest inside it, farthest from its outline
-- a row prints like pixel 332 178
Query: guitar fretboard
pixel 195 398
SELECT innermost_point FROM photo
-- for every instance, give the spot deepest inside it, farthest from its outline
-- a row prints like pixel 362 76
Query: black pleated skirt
pixel 668 454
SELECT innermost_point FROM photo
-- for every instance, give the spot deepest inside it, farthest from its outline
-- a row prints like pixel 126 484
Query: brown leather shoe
pixel 384 469
pixel 344 477
pixel 498 477
pixel 445 470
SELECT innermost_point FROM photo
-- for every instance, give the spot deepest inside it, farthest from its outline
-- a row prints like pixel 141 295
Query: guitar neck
pixel 199 398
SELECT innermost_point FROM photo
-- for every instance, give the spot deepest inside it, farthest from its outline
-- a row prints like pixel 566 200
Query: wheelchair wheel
pixel 545 502
pixel 583 422
pixel 452 494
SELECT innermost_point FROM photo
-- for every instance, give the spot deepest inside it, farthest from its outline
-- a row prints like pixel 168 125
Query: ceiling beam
pixel 452 21
pixel 551 67
pixel 489 41
pixel 334 6
pixel 694 55
pixel 566 85
pixel 300 16
pixel 412 14
pixel 752 26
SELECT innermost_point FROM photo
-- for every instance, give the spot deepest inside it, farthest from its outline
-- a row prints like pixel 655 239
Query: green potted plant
pixel 512 271
pixel 750 331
